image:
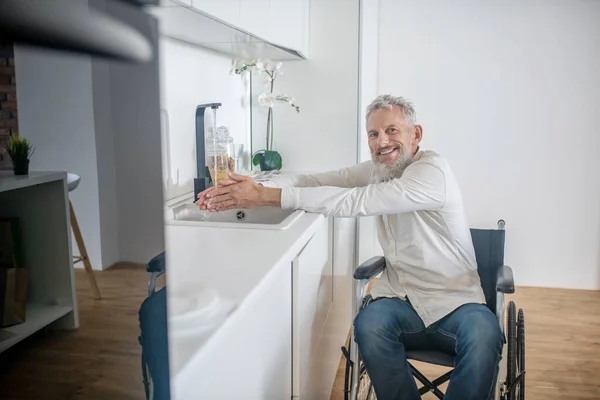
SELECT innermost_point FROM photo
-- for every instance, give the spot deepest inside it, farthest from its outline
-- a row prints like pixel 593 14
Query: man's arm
pixel 421 187
pixel 353 176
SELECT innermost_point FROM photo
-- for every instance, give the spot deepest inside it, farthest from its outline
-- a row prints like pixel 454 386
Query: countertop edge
pixel 9 181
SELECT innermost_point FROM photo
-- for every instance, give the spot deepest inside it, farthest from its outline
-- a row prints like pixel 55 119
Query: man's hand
pixel 238 192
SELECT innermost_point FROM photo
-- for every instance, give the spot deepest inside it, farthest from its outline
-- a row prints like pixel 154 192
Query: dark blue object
pixel 155 346
pixel 156 264
pixel 370 268
pixel 156 267
pixel 489 251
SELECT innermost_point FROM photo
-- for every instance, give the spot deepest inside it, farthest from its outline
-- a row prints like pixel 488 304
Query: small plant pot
pixel 264 166
pixel 268 160
pixel 21 167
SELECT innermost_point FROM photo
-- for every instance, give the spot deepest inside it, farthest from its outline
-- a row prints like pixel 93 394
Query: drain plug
pixel 240 215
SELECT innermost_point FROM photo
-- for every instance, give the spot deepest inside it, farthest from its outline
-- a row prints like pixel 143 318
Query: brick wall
pixel 9 124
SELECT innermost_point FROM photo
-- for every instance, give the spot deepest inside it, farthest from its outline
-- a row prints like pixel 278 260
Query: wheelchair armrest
pixel 504 280
pixel 370 268
pixel 157 264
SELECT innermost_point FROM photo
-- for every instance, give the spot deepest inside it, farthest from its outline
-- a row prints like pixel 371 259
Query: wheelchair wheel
pixel 347 372
pixel 365 387
pixel 521 353
pixel 511 358
pixel 147 379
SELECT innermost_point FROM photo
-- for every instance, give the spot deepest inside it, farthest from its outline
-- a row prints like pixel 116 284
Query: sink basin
pixel 187 213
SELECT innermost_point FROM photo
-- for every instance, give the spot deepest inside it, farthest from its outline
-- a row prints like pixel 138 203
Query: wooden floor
pixel 100 360
pixel 562 331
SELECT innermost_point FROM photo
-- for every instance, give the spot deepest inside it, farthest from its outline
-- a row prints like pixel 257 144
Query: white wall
pixel 105 157
pixel 56 113
pixel 190 76
pixel 509 92
pixel 135 119
pixel 367 241
pixel 326 89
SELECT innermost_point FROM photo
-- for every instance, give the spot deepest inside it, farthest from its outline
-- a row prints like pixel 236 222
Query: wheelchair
pixel 496 280
pixel 153 335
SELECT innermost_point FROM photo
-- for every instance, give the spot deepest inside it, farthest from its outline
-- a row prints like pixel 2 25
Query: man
pixel 429 296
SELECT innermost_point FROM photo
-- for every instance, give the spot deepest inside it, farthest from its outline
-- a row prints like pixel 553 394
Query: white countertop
pixel 235 262
pixel 10 181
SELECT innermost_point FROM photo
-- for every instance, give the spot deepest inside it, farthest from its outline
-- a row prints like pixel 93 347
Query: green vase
pixel 268 160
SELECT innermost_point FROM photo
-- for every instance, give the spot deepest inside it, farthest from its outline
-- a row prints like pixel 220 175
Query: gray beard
pixel 396 170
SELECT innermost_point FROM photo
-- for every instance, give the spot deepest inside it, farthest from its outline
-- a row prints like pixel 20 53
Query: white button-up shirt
pixel 421 226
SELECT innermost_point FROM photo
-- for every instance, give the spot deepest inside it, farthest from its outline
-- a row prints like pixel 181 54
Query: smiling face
pixel 393 140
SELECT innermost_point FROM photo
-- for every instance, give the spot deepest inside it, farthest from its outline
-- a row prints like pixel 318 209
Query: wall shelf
pixel 38 317
pixel 180 21
pixel 40 202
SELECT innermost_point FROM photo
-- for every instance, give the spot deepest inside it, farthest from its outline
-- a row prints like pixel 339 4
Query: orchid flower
pixel 268 71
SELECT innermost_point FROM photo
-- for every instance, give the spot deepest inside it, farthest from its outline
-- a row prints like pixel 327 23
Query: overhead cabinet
pixel 275 29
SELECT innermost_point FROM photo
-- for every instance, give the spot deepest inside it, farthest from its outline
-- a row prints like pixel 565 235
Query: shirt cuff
pixel 269 184
pixel 290 198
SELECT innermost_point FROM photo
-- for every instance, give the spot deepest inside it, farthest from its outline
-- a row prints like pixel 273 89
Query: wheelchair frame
pixel 156 268
pixel 357 384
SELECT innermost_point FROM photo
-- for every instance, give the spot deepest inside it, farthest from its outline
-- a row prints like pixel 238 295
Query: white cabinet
pixel 255 17
pixel 225 10
pixel 289 24
pixel 251 358
pixel 312 280
pixel 281 22
pixel 284 340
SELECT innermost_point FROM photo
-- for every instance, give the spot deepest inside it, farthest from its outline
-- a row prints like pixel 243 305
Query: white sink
pixel 185 212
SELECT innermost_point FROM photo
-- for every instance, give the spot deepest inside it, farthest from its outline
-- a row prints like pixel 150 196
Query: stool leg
pixel 83 253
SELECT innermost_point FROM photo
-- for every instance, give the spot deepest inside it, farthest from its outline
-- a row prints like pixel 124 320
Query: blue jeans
pixel 387 327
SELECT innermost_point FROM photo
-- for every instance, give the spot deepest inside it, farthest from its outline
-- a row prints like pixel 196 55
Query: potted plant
pixel 20 151
pixel 268 158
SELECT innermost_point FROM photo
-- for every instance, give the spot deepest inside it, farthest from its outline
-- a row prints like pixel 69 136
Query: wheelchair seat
pixel 431 357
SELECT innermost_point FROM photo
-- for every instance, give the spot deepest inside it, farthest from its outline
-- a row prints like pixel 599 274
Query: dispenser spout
pixel 202 180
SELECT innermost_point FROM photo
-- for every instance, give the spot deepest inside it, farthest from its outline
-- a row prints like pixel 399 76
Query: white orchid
pixel 235 66
pixel 270 100
pixel 266 80
pixel 286 98
pixel 268 72
pixel 267 99
pixel 268 65
pixel 239 66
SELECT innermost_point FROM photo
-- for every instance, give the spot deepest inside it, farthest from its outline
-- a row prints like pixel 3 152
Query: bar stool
pixel 72 183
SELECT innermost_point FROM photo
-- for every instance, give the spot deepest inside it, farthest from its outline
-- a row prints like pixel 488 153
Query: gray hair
pixel 388 101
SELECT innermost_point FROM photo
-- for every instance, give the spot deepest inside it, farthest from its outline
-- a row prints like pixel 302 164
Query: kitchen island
pixel 292 310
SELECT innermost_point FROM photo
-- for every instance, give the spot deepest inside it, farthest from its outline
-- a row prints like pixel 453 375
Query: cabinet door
pixel 312 300
pixel 251 357
pixel 225 10
pixel 255 17
pixel 289 24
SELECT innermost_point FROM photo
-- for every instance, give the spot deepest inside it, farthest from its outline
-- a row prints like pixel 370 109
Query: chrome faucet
pixel 202 180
